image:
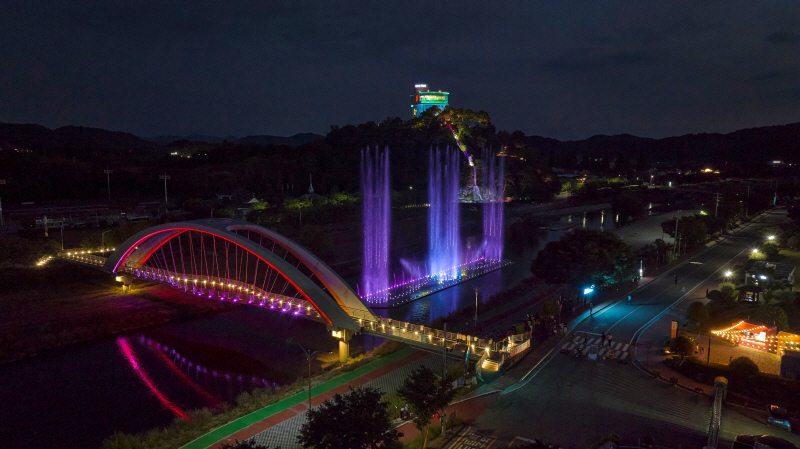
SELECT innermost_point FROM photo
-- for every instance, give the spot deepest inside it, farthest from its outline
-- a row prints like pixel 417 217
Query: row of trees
pixel 584 257
pixel 360 419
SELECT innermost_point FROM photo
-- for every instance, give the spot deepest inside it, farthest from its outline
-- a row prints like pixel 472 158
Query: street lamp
pixel 108 178
pixel 102 238
pixel 771 237
pixel 728 273
pixel 165 176
pixel 477 288
pixel 308 357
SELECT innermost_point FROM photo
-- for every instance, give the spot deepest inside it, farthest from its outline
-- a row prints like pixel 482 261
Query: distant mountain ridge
pixel 74 141
pixel 756 145
pixel 295 140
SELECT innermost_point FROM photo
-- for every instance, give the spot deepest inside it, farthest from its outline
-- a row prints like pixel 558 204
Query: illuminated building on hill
pixel 424 99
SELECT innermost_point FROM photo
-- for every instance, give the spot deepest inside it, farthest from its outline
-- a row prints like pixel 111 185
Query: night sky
pixel 567 70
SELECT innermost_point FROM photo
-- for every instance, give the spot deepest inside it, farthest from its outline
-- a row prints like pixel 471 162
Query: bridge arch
pixel 337 304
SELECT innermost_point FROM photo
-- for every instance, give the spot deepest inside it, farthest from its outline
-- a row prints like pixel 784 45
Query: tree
pixel 426 397
pixel 742 369
pixel 550 308
pixel 771 316
pixel 682 345
pixel 356 420
pixel 697 314
pixel 584 257
pixel 626 205
pixel 692 228
pixel 728 289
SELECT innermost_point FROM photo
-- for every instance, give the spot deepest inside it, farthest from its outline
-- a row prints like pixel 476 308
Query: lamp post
pixel 108 178
pixel 102 238
pixel 2 182
pixel 165 176
pixel 308 357
pixel 477 289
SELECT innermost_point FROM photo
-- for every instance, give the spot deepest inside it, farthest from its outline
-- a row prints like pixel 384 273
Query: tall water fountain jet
pixel 444 219
pixel 493 182
pixel 377 220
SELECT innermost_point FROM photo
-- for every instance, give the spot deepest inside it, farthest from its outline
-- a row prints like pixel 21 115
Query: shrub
pixel 697 313
pixel 728 289
pixel 682 345
pixel 771 316
pixel 742 369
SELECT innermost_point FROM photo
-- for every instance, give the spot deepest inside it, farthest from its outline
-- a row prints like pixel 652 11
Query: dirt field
pixel 64 303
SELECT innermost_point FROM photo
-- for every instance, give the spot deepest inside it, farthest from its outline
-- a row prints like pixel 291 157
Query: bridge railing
pixel 223 289
pixel 424 334
pixel 83 256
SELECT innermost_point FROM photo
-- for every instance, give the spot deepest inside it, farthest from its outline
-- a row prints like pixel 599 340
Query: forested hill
pixel 743 147
pixel 70 141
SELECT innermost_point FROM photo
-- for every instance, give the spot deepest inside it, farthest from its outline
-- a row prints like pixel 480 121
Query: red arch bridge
pixel 240 262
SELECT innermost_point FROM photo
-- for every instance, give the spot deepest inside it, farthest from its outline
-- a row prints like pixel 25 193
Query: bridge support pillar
pixel 344 336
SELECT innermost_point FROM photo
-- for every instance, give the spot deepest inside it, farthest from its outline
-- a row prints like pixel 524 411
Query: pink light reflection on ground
pixel 126 349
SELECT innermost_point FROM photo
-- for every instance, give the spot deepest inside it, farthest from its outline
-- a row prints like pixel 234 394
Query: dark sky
pixel 562 69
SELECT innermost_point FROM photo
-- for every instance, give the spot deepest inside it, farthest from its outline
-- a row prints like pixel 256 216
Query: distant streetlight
pixel 102 238
pixel 478 288
pixel 108 178
pixel 308 357
pixel 165 176
pixel 755 250
pixel 728 273
pixel 771 237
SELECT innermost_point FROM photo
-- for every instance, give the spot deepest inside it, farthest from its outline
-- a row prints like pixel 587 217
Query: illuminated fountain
pixel 444 216
pixel 493 177
pixel 375 187
pixel 449 260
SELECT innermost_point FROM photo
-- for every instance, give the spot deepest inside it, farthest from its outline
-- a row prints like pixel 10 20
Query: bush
pixel 771 316
pixel 742 369
pixel 682 345
pixel 729 290
pixel 697 314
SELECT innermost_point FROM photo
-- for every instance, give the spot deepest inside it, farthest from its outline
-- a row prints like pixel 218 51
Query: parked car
pixel 778 416
pixel 761 442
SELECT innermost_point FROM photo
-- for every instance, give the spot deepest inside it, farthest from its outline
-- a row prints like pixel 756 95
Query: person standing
pixel 610 341
pixel 603 339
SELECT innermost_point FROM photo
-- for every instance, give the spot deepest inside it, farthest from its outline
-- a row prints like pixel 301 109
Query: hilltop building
pixel 424 99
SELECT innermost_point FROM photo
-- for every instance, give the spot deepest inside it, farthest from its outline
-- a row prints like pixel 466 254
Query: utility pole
pixel 45 226
pixel 677 235
pixel 108 178
pixel 716 208
pixel 165 176
pixel 444 377
pixel 775 198
pixel 2 182
pixel 747 203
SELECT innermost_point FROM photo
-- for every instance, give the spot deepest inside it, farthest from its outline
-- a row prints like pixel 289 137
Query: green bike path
pixel 250 425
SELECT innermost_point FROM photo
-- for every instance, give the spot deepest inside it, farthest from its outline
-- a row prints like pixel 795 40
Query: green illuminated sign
pixel 431 98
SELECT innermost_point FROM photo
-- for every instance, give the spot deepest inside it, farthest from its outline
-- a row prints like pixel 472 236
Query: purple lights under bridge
pixel 239 262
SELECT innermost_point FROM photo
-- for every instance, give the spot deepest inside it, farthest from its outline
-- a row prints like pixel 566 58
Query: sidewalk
pixel 258 421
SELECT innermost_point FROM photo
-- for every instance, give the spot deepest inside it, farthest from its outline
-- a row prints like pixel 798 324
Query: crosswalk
pixel 612 351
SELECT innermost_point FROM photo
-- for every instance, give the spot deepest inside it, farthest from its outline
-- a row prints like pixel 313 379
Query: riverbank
pixel 64 304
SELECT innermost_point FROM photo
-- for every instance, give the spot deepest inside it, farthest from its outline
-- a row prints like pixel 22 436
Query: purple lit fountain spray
pixel 377 224
pixel 444 241
pixel 493 181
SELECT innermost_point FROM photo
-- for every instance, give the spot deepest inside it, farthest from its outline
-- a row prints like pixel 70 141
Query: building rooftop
pixel 782 270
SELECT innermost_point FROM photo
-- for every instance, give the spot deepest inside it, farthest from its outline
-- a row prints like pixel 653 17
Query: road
pixel 573 402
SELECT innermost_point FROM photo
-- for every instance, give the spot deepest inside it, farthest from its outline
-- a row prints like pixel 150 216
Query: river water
pixel 79 395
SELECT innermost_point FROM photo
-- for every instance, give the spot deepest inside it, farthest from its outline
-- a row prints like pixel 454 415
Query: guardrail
pixel 720 387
